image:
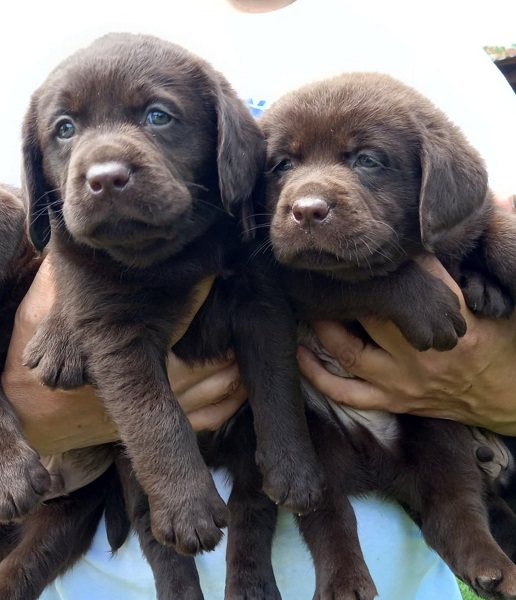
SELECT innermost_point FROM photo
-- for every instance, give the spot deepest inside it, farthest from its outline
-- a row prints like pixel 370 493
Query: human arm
pixel 56 420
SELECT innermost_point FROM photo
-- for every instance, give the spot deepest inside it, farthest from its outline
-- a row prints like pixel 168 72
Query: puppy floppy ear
pixel 36 188
pixel 453 182
pixel 240 155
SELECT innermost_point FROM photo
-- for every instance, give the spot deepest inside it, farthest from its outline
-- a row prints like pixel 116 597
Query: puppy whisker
pixel 261 248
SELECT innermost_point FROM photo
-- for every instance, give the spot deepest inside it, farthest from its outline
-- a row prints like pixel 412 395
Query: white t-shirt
pixel 265 55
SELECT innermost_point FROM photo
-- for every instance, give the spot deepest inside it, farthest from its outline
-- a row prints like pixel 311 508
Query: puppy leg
pixel 425 309
pixel 265 344
pixel 186 509
pixel 500 247
pixel 154 428
pixel 488 275
pixel 249 573
pixel 331 531
pixel 175 575
pixel 502 522
pixel 250 532
pixel 51 540
pixel 23 479
pixel 446 490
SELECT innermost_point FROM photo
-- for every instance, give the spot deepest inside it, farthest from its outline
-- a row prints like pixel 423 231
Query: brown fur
pixel 363 174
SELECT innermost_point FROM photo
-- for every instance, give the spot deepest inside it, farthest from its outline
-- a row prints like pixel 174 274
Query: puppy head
pixel 361 172
pixel 134 145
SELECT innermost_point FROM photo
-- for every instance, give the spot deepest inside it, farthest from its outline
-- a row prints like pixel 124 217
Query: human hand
pixel 473 383
pixel 55 421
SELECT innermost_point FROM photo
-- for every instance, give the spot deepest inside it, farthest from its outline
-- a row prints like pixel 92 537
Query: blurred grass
pixel 467 593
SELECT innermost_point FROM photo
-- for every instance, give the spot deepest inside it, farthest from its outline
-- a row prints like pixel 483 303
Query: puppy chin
pixel 358 263
pixel 145 254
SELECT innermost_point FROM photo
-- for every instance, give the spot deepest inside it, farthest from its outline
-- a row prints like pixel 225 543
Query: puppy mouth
pixel 355 258
pixel 132 242
pixel 127 234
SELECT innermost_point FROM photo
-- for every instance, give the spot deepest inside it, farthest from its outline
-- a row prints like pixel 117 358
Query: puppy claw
pixel 495 582
pixel 194 529
pixel 346 586
pixel 300 492
pixel 249 587
pixel 489 582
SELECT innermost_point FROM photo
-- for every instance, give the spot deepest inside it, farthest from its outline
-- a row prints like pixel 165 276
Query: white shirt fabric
pixel 265 55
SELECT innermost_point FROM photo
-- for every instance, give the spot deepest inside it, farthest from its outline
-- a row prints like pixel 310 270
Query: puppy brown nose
pixel 309 211
pixel 107 177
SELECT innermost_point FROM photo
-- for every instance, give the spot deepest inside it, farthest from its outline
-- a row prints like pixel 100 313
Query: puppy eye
pixel 66 129
pixel 284 165
pixel 366 161
pixel 158 118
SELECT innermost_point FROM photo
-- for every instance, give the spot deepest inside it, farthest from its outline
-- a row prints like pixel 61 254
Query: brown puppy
pixel 363 173
pixel 135 151
pixel 23 480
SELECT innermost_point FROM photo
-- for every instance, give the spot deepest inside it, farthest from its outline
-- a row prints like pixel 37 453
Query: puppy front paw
pixel 485 296
pixel 23 480
pixel 253 586
pixel 192 527
pixel 345 582
pixel 56 360
pixel 496 582
pixel 294 482
pixel 432 319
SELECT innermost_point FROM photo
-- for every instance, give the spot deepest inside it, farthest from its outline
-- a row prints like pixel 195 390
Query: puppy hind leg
pixel 446 490
pixel 330 532
pixel 175 574
pixel 502 523
pixel 249 573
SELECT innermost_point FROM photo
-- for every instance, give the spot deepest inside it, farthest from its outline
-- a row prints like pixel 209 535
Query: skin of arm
pixel 55 421
pixel 474 383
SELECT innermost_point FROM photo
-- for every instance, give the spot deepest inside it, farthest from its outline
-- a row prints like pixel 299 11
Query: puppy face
pixel 124 143
pixel 348 161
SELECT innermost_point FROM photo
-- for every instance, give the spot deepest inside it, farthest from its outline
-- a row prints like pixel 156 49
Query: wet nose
pixel 107 177
pixel 310 211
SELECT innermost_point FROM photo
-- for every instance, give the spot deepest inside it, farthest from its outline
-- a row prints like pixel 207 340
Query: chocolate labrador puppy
pixel 136 155
pixel 363 174
pixel 23 480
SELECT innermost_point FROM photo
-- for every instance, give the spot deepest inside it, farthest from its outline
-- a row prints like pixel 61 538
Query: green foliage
pixel 467 593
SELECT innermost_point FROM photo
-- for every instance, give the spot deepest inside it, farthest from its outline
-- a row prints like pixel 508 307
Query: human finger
pixel 351 352
pixel 212 416
pixel 354 392
pixel 210 389
pixel 506 201
pixel 183 376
